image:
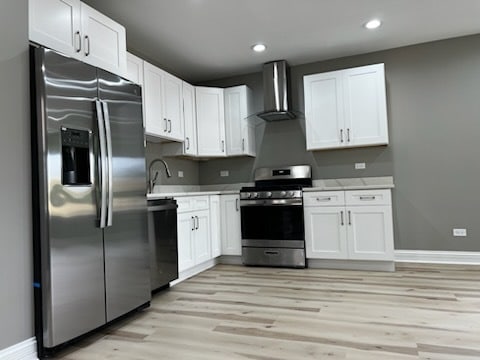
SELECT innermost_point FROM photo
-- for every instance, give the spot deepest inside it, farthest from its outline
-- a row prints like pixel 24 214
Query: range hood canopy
pixel 276 96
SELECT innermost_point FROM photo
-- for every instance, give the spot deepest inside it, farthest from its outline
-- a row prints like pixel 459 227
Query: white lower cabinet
pixel 215 226
pixel 354 225
pixel 231 225
pixel 193 222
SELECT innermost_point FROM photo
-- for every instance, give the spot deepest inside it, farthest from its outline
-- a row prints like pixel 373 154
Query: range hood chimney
pixel 275 92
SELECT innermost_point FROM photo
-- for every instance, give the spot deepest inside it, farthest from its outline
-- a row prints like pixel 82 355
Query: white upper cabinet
pixel 56 24
pixel 210 121
pixel 134 69
pixel 346 108
pixel 104 41
pixel 190 119
pixel 162 104
pixel 240 130
pixel 79 31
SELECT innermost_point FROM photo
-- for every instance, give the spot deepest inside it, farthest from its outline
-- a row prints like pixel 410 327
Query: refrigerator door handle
pixel 103 178
pixel 108 133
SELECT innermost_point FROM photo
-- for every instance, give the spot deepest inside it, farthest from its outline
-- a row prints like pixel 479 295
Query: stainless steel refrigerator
pixel 90 207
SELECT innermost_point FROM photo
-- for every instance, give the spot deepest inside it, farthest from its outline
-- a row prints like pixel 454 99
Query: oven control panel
pixel 283 194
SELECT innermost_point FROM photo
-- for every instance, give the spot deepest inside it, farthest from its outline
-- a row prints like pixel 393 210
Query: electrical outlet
pixel 359 166
pixel 180 173
pixel 224 173
pixel 459 232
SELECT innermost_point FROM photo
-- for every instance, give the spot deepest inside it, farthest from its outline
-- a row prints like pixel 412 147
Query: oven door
pixel 272 219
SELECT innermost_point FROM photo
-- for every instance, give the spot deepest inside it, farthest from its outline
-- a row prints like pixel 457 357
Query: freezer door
pixel 68 243
pixel 127 276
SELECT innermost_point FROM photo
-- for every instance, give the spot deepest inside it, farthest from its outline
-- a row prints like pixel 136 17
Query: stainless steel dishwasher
pixel 162 234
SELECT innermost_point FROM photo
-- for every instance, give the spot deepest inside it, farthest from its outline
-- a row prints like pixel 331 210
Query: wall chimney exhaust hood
pixel 275 92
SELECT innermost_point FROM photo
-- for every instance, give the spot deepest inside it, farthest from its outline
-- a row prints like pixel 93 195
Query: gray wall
pixel 189 167
pixel 16 296
pixel 433 92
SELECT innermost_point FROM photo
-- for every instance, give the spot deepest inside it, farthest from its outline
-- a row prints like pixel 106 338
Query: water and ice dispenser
pixel 75 157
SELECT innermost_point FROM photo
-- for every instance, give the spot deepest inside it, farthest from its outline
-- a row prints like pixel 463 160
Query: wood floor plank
pixel 421 311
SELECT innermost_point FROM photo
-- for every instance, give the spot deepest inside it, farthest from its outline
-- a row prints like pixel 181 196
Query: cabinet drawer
pixel 368 197
pixel 192 203
pixel 324 198
pixel 184 204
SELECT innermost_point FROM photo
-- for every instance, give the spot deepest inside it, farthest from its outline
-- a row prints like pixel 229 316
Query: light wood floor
pixel 236 312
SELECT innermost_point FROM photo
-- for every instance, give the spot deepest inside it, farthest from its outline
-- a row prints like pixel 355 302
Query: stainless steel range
pixel 273 231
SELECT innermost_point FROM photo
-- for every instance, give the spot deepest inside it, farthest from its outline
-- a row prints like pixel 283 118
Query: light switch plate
pixel 180 173
pixel 459 232
pixel 359 166
pixel 224 173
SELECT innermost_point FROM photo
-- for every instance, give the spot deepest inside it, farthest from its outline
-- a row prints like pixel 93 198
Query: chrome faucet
pixel 151 182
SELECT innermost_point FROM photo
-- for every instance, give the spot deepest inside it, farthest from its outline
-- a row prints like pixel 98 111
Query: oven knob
pixel 249 195
pixel 255 195
pixel 269 194
pixel 283 193
pixel 291 193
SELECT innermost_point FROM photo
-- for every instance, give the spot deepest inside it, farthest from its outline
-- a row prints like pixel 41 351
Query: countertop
pixel 383 182
pixel 171 191
pixel 163 195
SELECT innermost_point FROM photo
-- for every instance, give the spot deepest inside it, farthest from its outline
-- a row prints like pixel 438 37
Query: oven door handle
pixel 272 202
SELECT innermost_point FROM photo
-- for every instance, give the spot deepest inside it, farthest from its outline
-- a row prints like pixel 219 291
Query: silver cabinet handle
pixel 324 198
pixel 223 145
pixel 78 38
pixel 236 204
pixel 166 124
pixel 271 252
pixel 187 143
pixel 341 135
pixel 198 223
pixel 367 197
pixel 348 135
pixel 169 125
pixel 193 222
pixel 243 144
pixel 342 222
pixel 103 164
pixel 87 48
pixel 108 133
pixel 349 217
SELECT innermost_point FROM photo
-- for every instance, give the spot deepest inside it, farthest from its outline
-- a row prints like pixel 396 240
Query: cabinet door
pixel 104 41
pixel 186 251
pixel 190 119
pixel 210 121
pixel 324 118
pixel 325 232
pixel 249 140
pixel 56 24
pixel 370 232
pixel 134 69
pixel 172 106
pixel 231 225
pixel 155 123
pixel 365 106
pixel 235 119
pixel 215 225
pixel 203 249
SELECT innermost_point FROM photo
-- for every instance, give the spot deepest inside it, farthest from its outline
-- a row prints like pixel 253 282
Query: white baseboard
pixel 231 259
pixel 26 350
pixel 438 257
pixel 351 264
pixel 184 275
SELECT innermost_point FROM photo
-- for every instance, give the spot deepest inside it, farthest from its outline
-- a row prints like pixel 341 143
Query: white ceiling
pixel 210 39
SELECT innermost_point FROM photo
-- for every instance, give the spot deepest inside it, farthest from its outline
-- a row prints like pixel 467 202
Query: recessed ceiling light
pixel 258 47
pixel 373 24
